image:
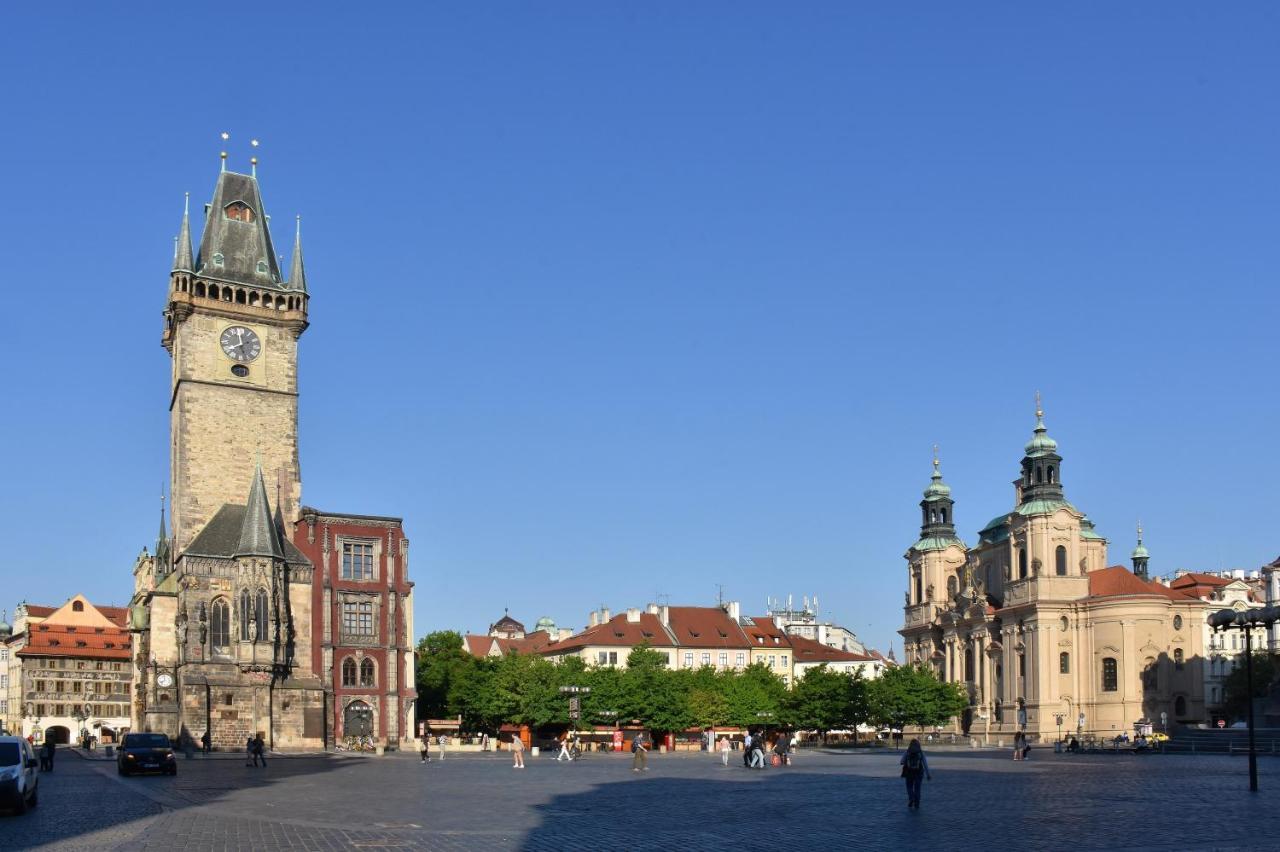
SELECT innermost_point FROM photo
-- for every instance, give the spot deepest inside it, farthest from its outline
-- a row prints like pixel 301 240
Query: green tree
pixel 825 700
pixel 441 662
pixel 755 696
pixel 1235 688
pixel 912 695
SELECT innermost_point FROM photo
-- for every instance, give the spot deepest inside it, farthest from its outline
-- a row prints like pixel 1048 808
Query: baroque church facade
pixel 1041 632
pixel 230 634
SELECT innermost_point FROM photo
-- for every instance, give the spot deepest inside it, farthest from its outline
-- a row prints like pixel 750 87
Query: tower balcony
pixel 238 301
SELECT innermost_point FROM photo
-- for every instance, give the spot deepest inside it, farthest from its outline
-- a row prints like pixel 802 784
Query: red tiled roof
pixel 118 615
pixel 532 643
pixel 808 651
pixel 41 611
pixel 1119 581
pixel 1194 579
pixel 706 627
pixel 619 632
pixel 762 627
pixel 102 643
pixel 478 645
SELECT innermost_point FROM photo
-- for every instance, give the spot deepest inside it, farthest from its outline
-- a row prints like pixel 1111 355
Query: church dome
pixel 937 488
pixel 6 629
pixel 1040 442
pixel 546 623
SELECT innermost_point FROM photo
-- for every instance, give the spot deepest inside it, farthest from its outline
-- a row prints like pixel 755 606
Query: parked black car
pixel 146 753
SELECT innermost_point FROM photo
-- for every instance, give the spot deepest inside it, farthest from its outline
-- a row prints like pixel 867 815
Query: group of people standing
pixel 255 750
pixel 424 746
pixel 756 744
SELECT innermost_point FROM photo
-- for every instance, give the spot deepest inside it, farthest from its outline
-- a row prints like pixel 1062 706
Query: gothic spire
pixel 297 277
pixel 162 541
pixel 258 530
pixel 236 244
pixel 182 255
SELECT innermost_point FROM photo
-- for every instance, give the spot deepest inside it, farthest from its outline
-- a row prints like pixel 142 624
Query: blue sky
pixel 613 301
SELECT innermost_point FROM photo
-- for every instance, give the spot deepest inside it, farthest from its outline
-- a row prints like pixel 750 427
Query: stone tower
pixel 232 324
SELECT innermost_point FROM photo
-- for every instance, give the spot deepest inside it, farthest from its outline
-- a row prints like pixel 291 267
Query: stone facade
pixel 232 623
pixel 1036 626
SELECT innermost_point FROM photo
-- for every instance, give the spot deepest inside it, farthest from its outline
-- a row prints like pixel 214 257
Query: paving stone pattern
pixel 829 800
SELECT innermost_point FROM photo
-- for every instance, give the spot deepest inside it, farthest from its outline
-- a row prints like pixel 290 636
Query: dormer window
pixel 217 259
pixel 239 211
pixel 262 267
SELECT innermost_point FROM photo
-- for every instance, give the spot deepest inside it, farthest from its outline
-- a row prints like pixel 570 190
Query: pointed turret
pixel 236 244
pixel 162 543
pixel 1041 466
pixel 1140 556
pixel 182 259
pixel 297 275
pixel 258 530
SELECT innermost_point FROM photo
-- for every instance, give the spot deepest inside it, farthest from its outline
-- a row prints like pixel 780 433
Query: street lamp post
pixel 1229 619
pixel 575 703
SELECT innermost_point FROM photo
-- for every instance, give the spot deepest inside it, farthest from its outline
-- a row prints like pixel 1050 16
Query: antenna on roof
pixel 719 594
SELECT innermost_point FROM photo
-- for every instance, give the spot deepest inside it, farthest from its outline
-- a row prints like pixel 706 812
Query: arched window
pixel 942 513
pixel 349 672
pixel 919 588
pixel 1179 707
pixel 1022 563
pixel 220 627
pixel 262 266
pixel 1177 658
pixel 244 615
pixel 77 606
pixel 260 614
pixel 1064 663
pixel 1110 675
pixel 1064 624
pixel 1049 473
pixel 217 259
pixel 357 719
pixel 238 211
pixel 1039 475
pixel 1060 561
pixel 366 672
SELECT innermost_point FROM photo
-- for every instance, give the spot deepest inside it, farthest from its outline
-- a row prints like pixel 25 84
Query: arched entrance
pixel 59 734
pixel 357 719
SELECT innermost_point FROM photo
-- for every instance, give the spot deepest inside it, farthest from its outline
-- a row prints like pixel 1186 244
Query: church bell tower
pixel 231 324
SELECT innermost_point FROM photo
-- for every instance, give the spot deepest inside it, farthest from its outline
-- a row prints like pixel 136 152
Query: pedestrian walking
pixel 206 742
pixel 248 751
pixel 443 742
pixel 915 768
pixel 724 750
pixel 517 751
pixel 1019 742
pixel 564 749
pixel 424 748
pixel 259 748
pixel 757 752
pixel 46 757
pixel 639 754
pixel 746 749
pixel 484 742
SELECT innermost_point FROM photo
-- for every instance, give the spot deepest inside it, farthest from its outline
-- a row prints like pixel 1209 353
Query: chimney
pixel 734 610
pixel 633 615
pixel 652 609
pixel 664 614
pixel 593 619
pixel 564 633
pixel 604 614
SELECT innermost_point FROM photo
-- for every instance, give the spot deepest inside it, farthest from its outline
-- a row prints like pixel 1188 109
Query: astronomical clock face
pixel 164 681
pixel 240 343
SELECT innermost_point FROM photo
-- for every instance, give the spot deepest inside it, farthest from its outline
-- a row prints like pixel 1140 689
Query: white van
pixel 19 780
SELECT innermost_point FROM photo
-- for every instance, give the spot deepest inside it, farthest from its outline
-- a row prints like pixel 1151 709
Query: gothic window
pixel 1060 561
pixel 1064 663
pixel 1022 563
pixel 357 560
pixel 349 672
pixel 357 618
pixel 220 627
pixel 238 211
pixel 1110 675
pixel 366 672
pixel 260 613
pixel 244 615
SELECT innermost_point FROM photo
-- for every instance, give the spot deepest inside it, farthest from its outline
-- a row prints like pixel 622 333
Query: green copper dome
pixel 937 488
pixel 1040 442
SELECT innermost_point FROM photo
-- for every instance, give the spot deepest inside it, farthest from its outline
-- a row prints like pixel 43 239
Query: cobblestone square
pixel 832 800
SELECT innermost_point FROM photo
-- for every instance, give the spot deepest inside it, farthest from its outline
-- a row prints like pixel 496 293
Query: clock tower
pixel 231 324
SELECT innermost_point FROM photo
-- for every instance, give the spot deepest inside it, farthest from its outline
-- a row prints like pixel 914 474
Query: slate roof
pixel 220 538
pixel 241 244
pixel 1118 581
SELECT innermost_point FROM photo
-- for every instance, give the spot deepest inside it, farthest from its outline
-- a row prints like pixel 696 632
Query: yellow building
pixel 1043 634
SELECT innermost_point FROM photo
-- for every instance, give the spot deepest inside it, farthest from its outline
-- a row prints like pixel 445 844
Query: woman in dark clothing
pixel 915 768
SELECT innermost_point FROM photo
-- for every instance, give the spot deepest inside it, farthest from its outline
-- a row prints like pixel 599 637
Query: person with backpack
pixel 639 751
pixel 915 768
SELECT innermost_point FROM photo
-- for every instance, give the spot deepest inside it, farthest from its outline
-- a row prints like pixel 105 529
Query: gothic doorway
pixel 357 719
